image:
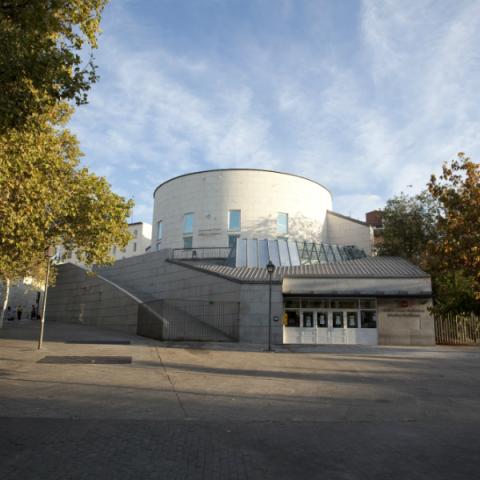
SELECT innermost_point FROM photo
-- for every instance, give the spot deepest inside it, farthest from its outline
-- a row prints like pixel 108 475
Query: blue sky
pixel 366 97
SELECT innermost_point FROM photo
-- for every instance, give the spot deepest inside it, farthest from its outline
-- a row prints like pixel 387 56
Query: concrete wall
pixel 405 322
pixel 254 314
pixel 345 231
pixel 260 195
pixel 80 298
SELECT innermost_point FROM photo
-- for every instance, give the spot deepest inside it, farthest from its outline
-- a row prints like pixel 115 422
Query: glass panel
pixel 344 303
pixel 352 319
pixel 232 241
pixel 282 223
pixel 317 303
pixel 273 252
pixel 308 319
pixel 135 233
pixel 293 303
pixel 188 223
pixel 322 319
pixel 134 246
pixel 368 303
pixel 293 250
pixel 369 319
pixel 337 319
pixel 234 219
pixel 187 242
pixel 293 318
pixel 241 253
pixel 159 230
pixel 252 253
pixel 263 253
pixel 283 251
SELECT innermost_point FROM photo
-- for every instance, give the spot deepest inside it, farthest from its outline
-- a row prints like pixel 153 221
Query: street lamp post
pixel 270 270
pixel 49 254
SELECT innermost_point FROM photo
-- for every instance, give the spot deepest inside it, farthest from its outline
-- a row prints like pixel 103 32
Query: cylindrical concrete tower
pixel 213 207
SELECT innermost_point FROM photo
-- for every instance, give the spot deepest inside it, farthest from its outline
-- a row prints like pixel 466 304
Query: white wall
pixel 259 194
pixel 348 231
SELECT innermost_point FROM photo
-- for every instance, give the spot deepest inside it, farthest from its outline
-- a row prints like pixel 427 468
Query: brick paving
pixel 235 412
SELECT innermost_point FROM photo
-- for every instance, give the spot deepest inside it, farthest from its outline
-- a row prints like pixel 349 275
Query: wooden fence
pixel 457 330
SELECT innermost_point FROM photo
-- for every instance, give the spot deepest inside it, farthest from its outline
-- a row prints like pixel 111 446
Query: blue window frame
pixel 234 220
pixel 282 223
pixel 159 230
pixel 188 223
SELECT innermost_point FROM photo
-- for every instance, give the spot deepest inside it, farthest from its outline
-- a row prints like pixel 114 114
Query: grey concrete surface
pixel 234 411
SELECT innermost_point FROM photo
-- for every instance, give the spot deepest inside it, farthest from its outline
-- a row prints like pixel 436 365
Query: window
pixel 337 319
pixel 294 303
pixel 344 303
pixel 159 230
pixel 157 246
pixel 308 319
pixel 188 224
pixel 322 319
pixel 232 240
pixel 368 319
pixel 282 223
pixel 314 303
pixel 368 303
pixel 187 242
pixel 352 319
pixel 135 233
pixel 293 318
pixel 234 220
pixel 134 246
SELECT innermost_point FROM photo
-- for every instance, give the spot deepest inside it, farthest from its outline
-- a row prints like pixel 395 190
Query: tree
pixel 454 255
pixel 40 59
pixel 46 199
pixel 409 224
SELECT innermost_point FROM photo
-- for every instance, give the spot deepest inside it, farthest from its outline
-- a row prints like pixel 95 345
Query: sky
pixel 366 97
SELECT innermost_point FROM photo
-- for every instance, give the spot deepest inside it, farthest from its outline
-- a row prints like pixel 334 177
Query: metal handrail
pixel 200 253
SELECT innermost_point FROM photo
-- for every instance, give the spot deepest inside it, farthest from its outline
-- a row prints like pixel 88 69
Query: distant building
pixel 375 220
pixel 142 237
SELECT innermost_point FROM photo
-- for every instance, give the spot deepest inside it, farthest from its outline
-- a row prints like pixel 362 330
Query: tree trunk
pixel 5 300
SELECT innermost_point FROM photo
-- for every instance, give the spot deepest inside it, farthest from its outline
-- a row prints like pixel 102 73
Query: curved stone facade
pixel 259 195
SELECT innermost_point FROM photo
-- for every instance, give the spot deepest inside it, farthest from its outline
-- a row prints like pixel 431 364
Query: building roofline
pixel 345 217
pixel 240 170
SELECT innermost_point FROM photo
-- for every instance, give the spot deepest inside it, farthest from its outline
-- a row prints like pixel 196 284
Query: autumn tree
pixel 454 254
pixel 41 56
pixel 46 198
pixel 409 223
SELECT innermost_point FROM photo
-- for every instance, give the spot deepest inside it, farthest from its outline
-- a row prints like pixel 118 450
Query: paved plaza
pixel 228 411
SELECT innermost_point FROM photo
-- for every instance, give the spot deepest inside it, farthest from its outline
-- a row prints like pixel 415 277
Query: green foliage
pixel 40 56
pixel 439 230
pixel 409 223
pixel 47 200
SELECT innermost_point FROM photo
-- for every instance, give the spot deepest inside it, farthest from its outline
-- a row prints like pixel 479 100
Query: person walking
pixel 33 313
pixel 19 312
pixel 9 313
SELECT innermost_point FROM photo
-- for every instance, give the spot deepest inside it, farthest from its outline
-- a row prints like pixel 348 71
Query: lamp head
pixel 270 267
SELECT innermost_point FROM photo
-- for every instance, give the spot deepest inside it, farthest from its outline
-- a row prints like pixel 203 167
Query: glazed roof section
pixel 369 267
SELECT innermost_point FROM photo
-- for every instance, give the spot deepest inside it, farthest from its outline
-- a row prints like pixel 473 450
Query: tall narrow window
pixel 135 233
pixel 159 230
pixel 187 242
pixel 234 220
pixel 282 223
pixel 134 246
pixel 188 223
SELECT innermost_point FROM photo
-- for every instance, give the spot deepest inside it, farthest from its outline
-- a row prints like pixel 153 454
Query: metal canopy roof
pixel 368 267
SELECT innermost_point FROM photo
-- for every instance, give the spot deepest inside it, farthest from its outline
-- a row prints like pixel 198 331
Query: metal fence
pixel 194 320
pixel 200 253
pixel 457 329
